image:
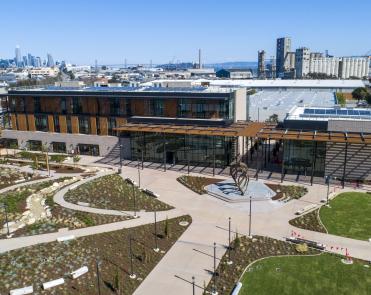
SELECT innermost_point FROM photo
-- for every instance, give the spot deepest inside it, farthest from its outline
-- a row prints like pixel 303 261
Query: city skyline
pixel 166 31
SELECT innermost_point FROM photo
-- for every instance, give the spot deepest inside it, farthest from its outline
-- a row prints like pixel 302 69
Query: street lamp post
pixel 6 218
pixel 229 241
pixel 193 286
pixel 120 170
pixel 250 213
pixel 97 263
pixel 214 273
pixel 138 173
pixel 132 274
pixel 156 249
pixel 134 200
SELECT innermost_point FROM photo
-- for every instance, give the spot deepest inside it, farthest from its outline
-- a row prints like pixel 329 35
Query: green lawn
pixel 323 274
pixel 349 216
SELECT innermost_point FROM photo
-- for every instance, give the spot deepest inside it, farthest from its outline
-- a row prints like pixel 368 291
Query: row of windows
pixel 84 124
pixel 185 108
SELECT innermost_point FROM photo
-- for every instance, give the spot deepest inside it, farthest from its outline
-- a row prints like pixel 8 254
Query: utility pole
pixel 5 206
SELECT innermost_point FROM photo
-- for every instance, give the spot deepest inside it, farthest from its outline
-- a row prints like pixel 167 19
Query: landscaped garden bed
pixel 309 221
pixel 287 192
pixel 9 177
pixel 112 192
pixel 307 275
pixel 245 251
pixel 44 262
pixel 197 183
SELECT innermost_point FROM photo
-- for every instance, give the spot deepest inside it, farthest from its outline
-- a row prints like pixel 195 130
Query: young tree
pixel 360 93
pixel 341 99
pixel 117 282
pixel 167 228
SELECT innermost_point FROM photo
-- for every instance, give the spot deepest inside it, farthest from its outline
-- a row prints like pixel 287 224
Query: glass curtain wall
pixel 197 149
pixel 299 157
pixel 205 109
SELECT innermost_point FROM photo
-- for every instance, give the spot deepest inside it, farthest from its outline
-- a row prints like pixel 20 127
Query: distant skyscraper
pixel 50 62
pixel 38 62
pixel 283 47
pixel 261 64
pixel 18 57
pixel 25 61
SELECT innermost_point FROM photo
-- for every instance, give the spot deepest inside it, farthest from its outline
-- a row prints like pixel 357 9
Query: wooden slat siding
pixel 22 122
pixel 93 125
pixel 50 104
pixel 137 107
pixel 170 108
pixel 31 122
pixel 51 123
pixel 92 107
pixel 75 124
pixel 123 106
pixel 13 118
pixel 104 106
pixel 63 123
pixel 18 104
pixel 103 125
pixel 30 105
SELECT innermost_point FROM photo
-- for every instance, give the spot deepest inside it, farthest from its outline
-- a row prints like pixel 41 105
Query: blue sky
pixel 81 31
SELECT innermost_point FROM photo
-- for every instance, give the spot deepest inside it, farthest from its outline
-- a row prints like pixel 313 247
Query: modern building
pixel 261 64
pixel 234 73
pixel 302 62
pixel 340 139
pixel 167 125
pixel 282 48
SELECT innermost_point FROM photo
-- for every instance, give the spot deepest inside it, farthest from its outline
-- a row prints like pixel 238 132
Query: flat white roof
pixel 265 103
pixel 254 83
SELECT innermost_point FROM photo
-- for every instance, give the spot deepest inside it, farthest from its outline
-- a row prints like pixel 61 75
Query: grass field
pixel 349 216
pixel 323 274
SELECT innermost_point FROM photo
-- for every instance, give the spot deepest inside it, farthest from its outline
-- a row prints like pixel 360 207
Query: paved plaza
pixel 191 255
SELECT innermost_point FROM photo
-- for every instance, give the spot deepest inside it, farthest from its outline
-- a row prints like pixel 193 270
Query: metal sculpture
pixel 239 173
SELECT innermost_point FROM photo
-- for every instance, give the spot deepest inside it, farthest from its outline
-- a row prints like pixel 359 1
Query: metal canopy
pixel 249 129
pixel 324 136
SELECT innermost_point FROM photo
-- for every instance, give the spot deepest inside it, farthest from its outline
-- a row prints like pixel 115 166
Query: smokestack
pixel 199 59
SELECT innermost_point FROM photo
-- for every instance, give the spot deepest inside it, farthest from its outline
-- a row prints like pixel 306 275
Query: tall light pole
pixel 134 200
pixel 5 206
pixel 132 274
pixel 193 286
pixel 214 292
pixel 250 213
pixel 156 249
pixel 229 241
pixel 97 263
pixel 138 173
pixel 120 157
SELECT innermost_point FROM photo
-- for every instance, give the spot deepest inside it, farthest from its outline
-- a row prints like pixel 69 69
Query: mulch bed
pixel 244 252
pixel 9 176
pixel 44 262
pixel 197 183
pixel 112 192
pixel 309 221
pixel 287 191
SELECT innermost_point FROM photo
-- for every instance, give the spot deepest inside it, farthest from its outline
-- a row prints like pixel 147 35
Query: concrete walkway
pixel 190 255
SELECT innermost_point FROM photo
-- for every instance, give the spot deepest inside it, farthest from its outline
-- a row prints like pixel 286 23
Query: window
pixel 84 125
pixel 37 105
pixel 35 145
pixel 57 127
pixel 69 124
pixel 12 104
pixel 98 125
pixel 76 105
pixel 115 107
pixel 41 123
pixel 63 105
pixel 59 147
pixel 111 125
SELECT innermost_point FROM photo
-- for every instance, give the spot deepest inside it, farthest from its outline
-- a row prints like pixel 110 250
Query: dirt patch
pixel 287 192
pixel 309 221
